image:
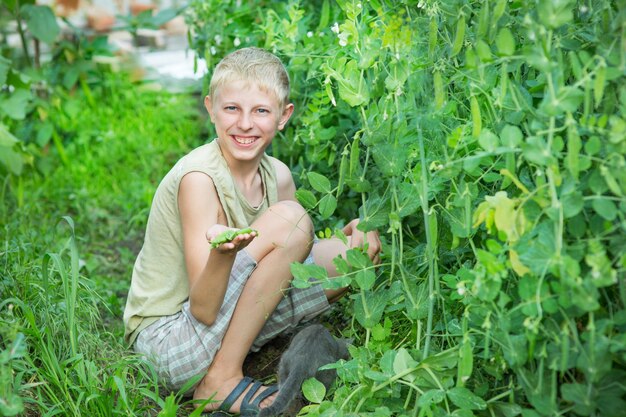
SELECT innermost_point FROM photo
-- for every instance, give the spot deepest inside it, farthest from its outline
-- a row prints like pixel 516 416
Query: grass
pixel 67 256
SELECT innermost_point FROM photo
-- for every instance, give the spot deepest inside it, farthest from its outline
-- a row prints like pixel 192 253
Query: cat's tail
pixel 289 390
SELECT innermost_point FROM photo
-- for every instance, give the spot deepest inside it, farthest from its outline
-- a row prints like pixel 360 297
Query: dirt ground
pixel 263 365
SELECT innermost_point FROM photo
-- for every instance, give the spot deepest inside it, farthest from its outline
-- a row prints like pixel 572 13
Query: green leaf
pixel 488 140
pixel 537 249
pixel 313 390
pixel 357 259
pixel 369 307
pixel 555 13
pixel 536 150
pixel 303 273
pixel 408 203
pixel 11 405
pixel 511 136
pixel 164 16
pixel 11 159
pixel 466 399
pixel 306 198
pixel 605 208
pixel 505 42
pixel 579 395
pixel 319 182
pixel 353 88
pixel 390 159
pixel 568 99
pixel 44 133
pixel 5 66
pixel 328 204
pixel 572 203
pixel 404 362
pixel 365 279
pixel 433 396
pixel 41 22
pixel 15 106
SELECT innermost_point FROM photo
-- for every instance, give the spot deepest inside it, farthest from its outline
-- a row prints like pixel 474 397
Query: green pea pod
pixel 229 235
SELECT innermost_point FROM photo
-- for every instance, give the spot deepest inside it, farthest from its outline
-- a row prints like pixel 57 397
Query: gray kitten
pixel 310 349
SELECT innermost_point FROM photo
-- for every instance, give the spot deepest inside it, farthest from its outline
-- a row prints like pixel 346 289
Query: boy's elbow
pixel 202 314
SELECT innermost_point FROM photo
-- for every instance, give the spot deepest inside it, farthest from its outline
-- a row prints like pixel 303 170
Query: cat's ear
pixel 347 340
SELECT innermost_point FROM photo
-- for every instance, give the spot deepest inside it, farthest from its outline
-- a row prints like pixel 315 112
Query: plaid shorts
pixel 181 347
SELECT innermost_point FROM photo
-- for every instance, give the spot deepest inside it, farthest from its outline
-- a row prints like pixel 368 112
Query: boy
pixel 194 309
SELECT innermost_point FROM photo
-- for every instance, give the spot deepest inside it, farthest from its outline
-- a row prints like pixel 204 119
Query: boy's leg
pixel 285 233
pixel 324 251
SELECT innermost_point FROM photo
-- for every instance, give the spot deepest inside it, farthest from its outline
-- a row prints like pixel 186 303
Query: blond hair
pixel 252 65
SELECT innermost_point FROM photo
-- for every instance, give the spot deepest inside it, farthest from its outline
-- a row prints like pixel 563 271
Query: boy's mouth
pixel 244 140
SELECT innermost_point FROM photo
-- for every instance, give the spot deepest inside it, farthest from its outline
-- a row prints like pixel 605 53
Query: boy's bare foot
pixel 234 391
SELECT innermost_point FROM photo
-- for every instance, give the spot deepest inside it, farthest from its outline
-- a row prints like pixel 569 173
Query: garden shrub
pixel 486 141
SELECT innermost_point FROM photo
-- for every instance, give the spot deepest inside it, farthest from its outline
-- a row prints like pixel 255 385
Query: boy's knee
pixel 293 216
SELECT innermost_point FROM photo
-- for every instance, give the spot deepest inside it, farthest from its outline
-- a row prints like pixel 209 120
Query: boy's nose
pixel 244 122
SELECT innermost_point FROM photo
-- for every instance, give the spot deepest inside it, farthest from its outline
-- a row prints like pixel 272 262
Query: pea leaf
pixel 407 204
pixel 365 279
pixel 605 208
pixel 404 362
pixel 554 13
pixel 353 89
pixel 433 396
pixel 390 159
pixel 511 136
pixel 303 273
pixel 319 182
pixel 466 399
pixel 572 204
pixel 488 140
pixel 328 204
pixel 306 198
pixel 369 308
pixel 313 390
pixel 536 150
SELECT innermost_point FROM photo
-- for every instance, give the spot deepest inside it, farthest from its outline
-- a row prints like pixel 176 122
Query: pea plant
pixel 485 140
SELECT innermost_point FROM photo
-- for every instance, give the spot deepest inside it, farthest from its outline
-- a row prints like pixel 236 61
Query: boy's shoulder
pixel 281 168
pixel 284 180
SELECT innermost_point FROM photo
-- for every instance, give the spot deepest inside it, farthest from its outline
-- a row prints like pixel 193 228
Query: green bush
pixel 486 141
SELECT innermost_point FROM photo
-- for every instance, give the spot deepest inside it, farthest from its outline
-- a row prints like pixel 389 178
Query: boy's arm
pixel 208 270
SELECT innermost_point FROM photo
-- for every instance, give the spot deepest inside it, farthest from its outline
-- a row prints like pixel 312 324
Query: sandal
pixel 248 407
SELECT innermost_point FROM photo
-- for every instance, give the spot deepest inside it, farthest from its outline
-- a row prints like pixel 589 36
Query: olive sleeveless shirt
pixel 159 285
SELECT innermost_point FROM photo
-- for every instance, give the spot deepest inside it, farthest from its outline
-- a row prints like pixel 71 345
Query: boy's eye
pixel 230 108
pixel 263 110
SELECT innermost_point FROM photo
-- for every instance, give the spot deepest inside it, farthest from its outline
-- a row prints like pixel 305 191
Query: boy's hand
pixel 228 240
pixel 360 240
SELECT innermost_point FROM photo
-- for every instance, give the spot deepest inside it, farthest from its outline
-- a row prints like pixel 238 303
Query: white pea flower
pixel 237 42
pixel 218 39
pixel 359 6
pixel 213 50
pixel 343 38
pixel 335 28
pixel 309 34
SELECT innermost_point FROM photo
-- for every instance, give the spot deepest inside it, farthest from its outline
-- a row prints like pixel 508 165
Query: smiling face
pixel 246 119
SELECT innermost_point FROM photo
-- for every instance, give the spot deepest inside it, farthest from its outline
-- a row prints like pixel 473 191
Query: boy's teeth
pixel 244 141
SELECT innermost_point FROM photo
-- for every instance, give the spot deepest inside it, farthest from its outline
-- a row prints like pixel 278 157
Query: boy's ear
pixel 284 118
pixel 208 104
